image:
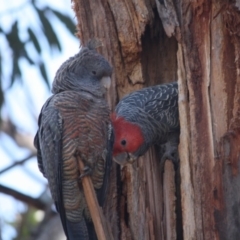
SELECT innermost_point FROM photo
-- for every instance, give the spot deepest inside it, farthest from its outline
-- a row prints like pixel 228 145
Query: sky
pixel 23 102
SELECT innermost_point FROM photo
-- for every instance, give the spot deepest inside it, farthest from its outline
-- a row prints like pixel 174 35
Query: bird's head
pixel 86 68
pixel 128 138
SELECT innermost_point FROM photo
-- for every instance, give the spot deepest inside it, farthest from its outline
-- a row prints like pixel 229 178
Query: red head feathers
pixel 128 136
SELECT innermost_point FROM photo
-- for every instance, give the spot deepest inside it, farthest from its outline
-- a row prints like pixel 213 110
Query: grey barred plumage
pixel 75 121
pixel 155 111
pixel 82 67
pixel 154 100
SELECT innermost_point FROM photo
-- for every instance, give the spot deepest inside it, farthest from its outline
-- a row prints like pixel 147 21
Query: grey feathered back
pixel 154 109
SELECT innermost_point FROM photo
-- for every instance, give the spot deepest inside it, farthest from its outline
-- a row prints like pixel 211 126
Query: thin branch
pixel 16 163
pixel 22 197
pixel 100 224
pixel 22 140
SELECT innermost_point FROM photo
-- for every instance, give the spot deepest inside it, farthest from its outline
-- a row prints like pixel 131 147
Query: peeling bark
pixel 202 53
pixel 169 200
pixel 209 42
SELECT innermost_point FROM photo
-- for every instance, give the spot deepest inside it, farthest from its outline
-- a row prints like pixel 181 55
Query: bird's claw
pixel 125 158
pixel 170 155
pixel 86 171
pixel 131 158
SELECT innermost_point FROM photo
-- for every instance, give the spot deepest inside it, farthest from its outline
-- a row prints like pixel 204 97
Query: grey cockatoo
pixel 73 122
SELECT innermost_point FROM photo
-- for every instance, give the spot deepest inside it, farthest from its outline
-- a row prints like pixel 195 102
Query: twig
pixel 100 224
pixel 21 139
pixel 18 163
pixel 24 198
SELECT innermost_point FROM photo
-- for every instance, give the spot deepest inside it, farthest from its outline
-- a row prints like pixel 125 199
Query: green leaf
pixel 1 91
pixel 0 68
pixel 44 74
pixel 49 32
pixel 1 96
pixel 14 41
pixel 17 47
pixel 34 40
pixel 16 72
pixel 25 54
pixel 66 21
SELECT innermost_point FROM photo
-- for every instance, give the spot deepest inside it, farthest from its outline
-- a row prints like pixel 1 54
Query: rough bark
pixel 198 44
pixel 210 47
pixel 141 54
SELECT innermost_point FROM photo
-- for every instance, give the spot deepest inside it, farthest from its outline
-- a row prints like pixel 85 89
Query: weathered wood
pixel 208 50
pixel 140 52
pixel 203 53
pixel 100 224
pixel 226 126
pixel 169 191
pixel 188 215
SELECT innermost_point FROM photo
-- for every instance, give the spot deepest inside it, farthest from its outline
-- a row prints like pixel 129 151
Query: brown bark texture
pixel 149 42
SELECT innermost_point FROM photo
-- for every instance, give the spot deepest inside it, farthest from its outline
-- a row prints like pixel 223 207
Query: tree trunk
pixel 198 44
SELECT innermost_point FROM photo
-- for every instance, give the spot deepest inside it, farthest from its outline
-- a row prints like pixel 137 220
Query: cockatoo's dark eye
pixel 123 142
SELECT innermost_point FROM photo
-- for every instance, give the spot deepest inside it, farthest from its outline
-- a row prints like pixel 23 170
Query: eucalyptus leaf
pixel 49 32
pixel 16 72
pixel 44 74
pixel 66 21
pixel 14 41
pixel 34 40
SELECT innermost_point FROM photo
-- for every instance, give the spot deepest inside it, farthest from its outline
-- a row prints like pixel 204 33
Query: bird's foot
pixel 86 172
pixel 170 154
pixel 131 158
